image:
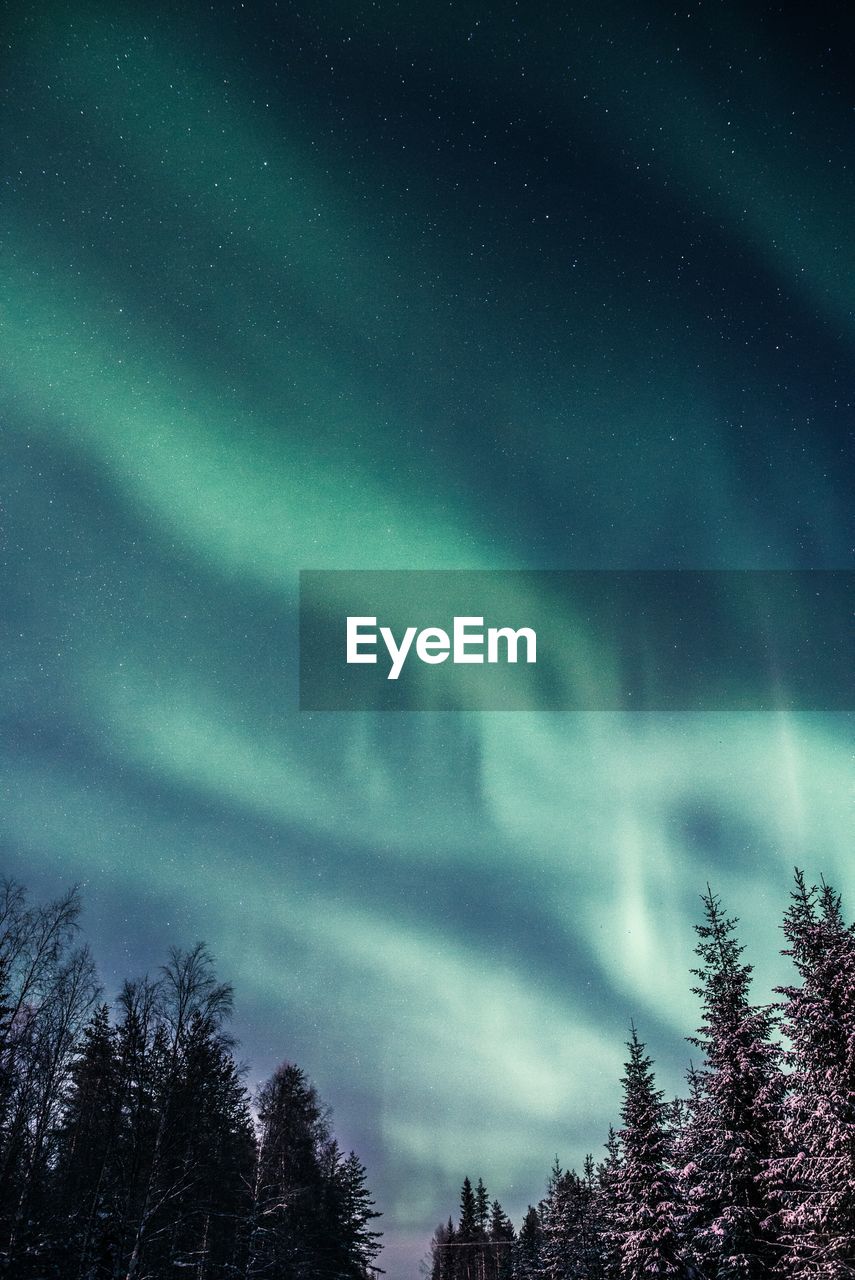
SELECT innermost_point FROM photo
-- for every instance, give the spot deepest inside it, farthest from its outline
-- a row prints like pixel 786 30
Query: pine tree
pixel 729 1132
pixel 646 1234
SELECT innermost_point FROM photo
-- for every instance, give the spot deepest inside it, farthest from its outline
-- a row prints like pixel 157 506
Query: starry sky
pixel 415 286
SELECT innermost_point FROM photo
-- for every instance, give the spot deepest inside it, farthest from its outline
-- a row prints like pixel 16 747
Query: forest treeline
pixel 750 1175
pixel 129 1146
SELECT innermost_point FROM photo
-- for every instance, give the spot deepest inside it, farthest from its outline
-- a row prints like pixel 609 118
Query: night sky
pixel 399 285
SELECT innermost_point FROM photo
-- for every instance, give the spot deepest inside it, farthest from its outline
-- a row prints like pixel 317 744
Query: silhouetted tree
pixel 127 1147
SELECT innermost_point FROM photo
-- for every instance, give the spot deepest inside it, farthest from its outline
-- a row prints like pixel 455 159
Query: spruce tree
pixel 646 1232
pixel 556 1220
pixel 209 1160
pixel 728 1133
pixel 356 1214
pixel 480 1258
pixel 569 1247
pixel 592 1231
pixel 467 1225
pixel 482 1209
pixel 442 1252
pixel 84 1185
pixel 286 1220
pixel 526 1252
pixel 608 1208
pixel 813 1180
pixel 467 1234
pixel 501 1236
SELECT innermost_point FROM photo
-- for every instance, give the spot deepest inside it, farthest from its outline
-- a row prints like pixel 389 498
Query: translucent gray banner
pixel 597 640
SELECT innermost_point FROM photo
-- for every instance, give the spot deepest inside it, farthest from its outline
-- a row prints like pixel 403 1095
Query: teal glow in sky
pixel 371 286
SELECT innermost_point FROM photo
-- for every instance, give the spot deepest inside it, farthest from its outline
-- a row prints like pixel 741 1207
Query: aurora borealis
pixel 376 285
